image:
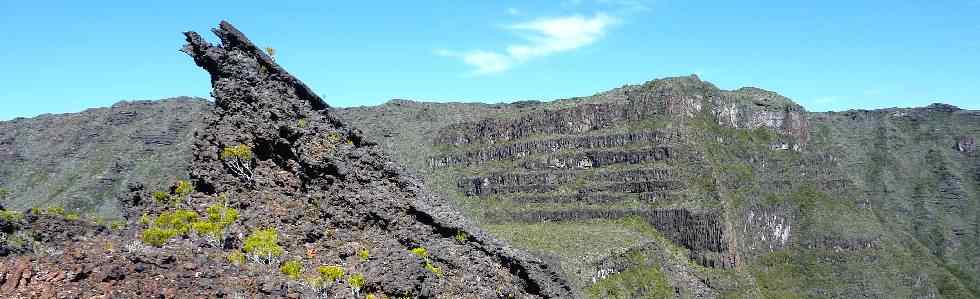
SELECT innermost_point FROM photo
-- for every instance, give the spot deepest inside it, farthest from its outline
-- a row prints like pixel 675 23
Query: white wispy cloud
pixel 542 37
pixel 514 11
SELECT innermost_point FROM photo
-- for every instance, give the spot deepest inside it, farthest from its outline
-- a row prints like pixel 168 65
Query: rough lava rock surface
pixel 329 178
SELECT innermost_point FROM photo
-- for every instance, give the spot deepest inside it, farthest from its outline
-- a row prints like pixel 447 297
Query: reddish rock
pixel 19 275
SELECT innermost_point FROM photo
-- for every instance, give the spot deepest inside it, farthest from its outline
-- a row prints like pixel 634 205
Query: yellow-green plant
pixel 239 159
pixel 461 236
pixel 240 151
pixel 271 51
pixel 364 254
pixel 55 210
pixel 221 214
pixel 292 269
pixel 3 194
pixel 331 273
pixel 335 138
pixel 424 254
pixel 184 188
pixel 156 236
pixel 432 268
pixel 356 282
pixel 237 258
pixel 420 252
pixel 214 226
pixel 11 216
pixel 263 245
pixel 117 224
pixel 73 216
pixel 182 193
pixel 161 196
pixel 167 226
pixel 317 284
pixel 178 220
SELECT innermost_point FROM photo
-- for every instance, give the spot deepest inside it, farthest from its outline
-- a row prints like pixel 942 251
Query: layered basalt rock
pixel 741 179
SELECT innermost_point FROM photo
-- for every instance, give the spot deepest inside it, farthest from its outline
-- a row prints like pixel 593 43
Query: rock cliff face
pixel 305 157
pixel 758 197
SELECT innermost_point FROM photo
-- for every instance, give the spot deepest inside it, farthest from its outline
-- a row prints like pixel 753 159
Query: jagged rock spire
pixel 307 173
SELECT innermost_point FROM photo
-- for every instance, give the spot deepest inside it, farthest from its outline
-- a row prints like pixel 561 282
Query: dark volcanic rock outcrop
pixel 329 197
pixel 306 158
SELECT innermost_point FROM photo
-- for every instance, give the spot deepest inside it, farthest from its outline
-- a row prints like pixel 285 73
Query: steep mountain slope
pixel 920 171
pixel 712 192
pixel 285 200
pixel 83 161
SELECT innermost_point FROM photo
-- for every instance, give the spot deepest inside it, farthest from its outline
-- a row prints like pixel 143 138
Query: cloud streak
pixel 542 37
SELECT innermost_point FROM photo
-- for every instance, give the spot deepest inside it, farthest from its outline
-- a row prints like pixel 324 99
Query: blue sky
pixel 64 56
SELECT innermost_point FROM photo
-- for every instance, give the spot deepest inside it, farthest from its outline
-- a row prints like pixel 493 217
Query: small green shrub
pixel 356 281
pixel 292 269
pixel 424 254
pixel 364 254
pixel 206 228
pixel 263 244
pixel 73 216
pixel 420 252
pixel 461 236
pixel 178 220
pixel 11 216
pixel 317 283
pixel 55 210
pixel 3 194
pixel 156 236
pixel 237 258
pixel 218 219
pixel 184 189
pixel 335 138
pixel 239 159
pixel 331 273
pixel 221 214
pixel 432 268
pixel 241 151
pixel 167 226
pixel 161 196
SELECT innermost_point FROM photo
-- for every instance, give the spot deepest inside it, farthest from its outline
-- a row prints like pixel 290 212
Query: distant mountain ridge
pixel 83 161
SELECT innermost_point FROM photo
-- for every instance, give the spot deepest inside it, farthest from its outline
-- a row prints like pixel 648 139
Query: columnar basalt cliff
pixel 741 182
